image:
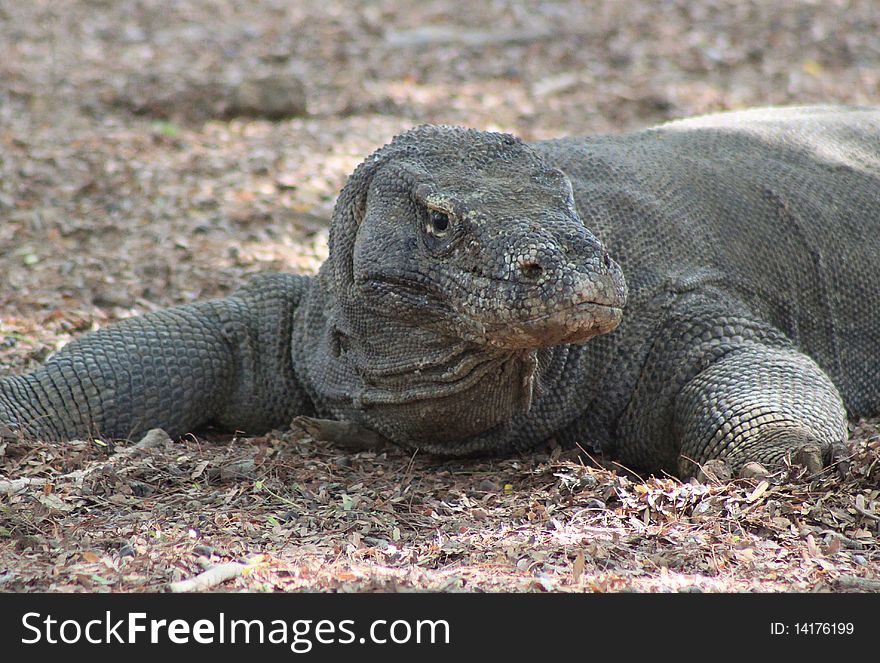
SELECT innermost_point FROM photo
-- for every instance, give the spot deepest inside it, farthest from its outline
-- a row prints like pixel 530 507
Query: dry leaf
pixel 833 546
pixel 200 468
pixel 577 568
pixel 759 490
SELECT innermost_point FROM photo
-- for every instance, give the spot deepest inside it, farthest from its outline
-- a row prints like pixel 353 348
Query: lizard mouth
pixel 575 323
pixel 539 318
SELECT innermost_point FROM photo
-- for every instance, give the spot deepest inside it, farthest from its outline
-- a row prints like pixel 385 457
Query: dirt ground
pixel 156 153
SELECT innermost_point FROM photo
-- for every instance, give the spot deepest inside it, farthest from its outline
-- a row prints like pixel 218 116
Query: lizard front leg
pixel 759 404
pixel 225 361
pixel 720 385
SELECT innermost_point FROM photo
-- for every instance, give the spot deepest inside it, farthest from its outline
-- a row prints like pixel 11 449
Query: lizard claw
pixel 307 425
pixel 813 459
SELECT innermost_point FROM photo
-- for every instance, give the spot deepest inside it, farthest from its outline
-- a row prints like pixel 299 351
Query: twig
pixel 854 582
pixel 216 575
pixel 845 540
pixel 866 513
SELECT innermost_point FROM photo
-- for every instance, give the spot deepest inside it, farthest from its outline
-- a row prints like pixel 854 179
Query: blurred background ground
pixel 154 153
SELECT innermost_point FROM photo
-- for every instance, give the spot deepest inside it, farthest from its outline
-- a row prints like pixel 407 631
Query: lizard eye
pixel 438 223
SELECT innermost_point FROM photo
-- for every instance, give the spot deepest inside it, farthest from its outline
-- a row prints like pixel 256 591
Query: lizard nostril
pixel 531 270
pixel 606 260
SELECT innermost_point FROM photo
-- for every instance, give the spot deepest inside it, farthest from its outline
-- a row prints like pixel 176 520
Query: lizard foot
pixel 816 460
pixel 344 434
pixel 809 456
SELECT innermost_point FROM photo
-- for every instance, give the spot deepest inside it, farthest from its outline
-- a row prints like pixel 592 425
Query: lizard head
pixel 472 235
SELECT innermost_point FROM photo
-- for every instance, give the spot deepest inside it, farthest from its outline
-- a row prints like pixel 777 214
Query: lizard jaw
pixel 577 323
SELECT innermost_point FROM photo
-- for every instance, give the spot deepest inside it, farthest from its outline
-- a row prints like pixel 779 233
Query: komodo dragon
pixel 469 304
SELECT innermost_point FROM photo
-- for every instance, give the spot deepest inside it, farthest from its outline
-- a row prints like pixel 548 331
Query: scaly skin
pixel 224 362
pixel 469 304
